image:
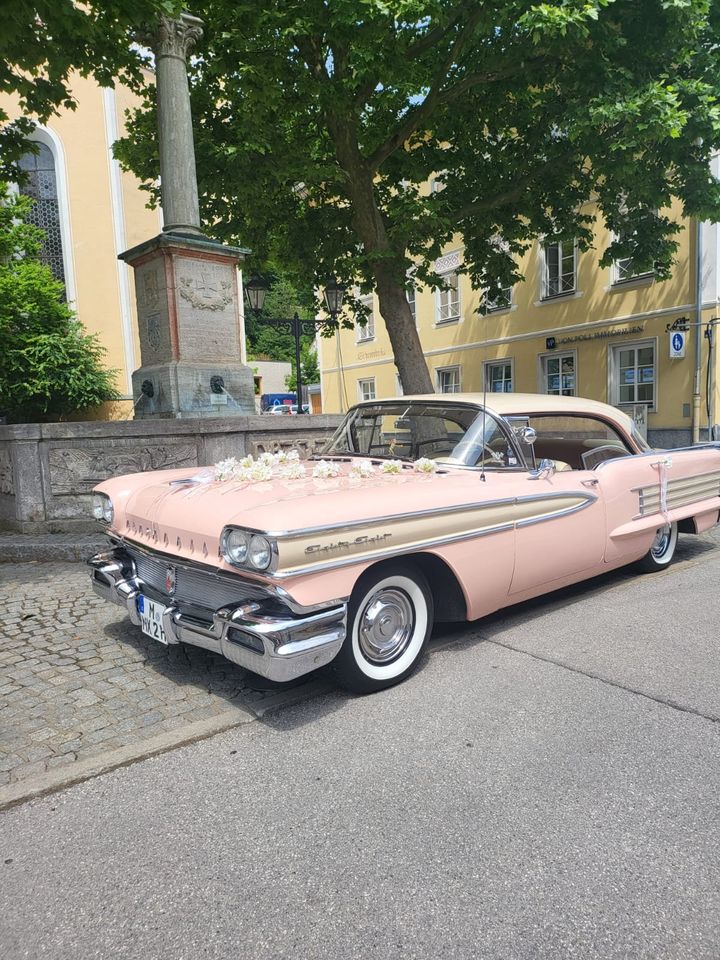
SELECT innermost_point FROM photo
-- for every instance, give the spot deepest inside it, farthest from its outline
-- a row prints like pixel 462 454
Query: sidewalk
pixel 23 548
pixel 82 690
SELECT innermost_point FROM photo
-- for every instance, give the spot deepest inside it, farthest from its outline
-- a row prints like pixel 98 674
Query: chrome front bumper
pixel 261 636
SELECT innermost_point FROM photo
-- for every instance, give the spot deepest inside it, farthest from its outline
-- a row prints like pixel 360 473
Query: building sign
pixel 602 334
pixel 677 344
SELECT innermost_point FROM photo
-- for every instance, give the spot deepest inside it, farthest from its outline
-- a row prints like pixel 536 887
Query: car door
pixel 560 531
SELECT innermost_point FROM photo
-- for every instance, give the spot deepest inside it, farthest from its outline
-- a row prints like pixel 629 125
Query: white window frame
pixel 367 332
pixel 614 372
pixel 501 361
pixel 497 306
pixel 411 297
pixel 452 369
pixel 618 280
pixel 444 301
pixel 545 286
pixel 543 374
pixel 361 391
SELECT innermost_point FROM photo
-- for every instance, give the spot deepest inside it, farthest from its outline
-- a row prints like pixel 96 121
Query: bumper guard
pixel 280 647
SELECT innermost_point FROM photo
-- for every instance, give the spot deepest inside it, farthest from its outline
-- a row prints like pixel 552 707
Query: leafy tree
pixel 42 42
pixel 309 366
pixel 319 123
pixel 50 367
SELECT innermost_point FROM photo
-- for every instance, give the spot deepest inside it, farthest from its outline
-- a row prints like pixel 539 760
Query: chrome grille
pixel 194 587
pixel 680 493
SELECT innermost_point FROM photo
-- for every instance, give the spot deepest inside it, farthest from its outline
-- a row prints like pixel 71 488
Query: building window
pixel 41 185
pixel 448 299
pixel 558 374
pixel 558 269
pixel 503 301
pixel 367 332
pixel 410 294
pixel 366 389
pixel 448 380
pixel 498 376
pixel 634 373
pixel 625 269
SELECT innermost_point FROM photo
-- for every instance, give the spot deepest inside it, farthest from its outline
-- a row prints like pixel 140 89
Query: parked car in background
pixel 420 509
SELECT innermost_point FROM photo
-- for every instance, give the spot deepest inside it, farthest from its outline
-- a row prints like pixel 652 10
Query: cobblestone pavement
pixel 78 680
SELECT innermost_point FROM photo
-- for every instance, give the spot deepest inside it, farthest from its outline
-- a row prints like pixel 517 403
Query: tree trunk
pixel 387 264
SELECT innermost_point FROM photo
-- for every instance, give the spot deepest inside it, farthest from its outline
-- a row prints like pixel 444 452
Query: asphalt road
pixel 545 787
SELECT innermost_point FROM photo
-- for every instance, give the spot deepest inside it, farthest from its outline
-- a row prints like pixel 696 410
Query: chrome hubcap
pixel 661 542
pixel 386 625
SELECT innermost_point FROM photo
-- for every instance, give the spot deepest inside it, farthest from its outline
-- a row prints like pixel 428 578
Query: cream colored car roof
pixel 513 404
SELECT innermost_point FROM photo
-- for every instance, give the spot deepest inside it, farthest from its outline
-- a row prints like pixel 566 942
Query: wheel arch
pixel 448 596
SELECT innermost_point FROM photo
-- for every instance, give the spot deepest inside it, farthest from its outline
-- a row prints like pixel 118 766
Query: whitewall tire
pixel 662 551
pixel 390 618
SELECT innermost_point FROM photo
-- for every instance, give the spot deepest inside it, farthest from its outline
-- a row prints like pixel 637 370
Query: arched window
pixel 41 185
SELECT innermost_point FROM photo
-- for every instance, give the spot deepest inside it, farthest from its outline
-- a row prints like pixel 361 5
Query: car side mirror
pixel 527 435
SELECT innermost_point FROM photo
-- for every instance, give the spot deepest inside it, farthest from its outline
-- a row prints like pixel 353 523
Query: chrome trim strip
pixel 413 515
pixel 654 453
pixel 586 498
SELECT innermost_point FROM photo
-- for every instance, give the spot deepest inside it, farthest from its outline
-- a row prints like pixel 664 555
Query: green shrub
pixel 50 367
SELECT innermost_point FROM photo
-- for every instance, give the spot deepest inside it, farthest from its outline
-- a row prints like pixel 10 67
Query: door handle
pixel 592 482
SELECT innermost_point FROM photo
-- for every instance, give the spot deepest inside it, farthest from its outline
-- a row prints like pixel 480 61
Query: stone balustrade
pixel 48 470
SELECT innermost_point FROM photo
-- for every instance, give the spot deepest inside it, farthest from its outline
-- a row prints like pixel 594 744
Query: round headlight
pixel 103 508
pixel 260 553
pixel 236 546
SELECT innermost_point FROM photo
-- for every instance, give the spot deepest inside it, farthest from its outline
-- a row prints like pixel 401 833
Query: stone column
pixel 186 284
pixel 171 43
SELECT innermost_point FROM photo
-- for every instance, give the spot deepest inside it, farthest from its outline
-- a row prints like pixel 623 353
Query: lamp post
pixel 256 290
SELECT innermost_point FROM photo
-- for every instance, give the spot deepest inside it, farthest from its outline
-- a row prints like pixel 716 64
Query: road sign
pixel 677 344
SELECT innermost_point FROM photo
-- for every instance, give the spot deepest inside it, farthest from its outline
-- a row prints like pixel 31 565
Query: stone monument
pixel 186 284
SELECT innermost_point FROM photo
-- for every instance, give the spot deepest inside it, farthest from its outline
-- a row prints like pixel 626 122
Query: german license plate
pixel 151 618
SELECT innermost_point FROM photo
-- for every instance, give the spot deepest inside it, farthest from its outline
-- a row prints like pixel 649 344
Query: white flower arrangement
pixel 226 469
pixel 292 470
pixel 362 470
pixel 424 465
pixel 391 466
pixel 326 470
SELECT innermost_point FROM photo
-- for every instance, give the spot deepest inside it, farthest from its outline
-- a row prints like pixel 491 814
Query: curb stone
pixel 61 778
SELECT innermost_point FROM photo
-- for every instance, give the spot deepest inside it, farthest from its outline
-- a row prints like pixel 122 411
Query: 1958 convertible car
pixel 419 509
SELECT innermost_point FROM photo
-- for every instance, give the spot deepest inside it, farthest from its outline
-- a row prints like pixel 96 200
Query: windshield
pixel 449 433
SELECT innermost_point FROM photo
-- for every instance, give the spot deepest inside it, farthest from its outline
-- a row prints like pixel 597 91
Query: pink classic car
pixel 419 509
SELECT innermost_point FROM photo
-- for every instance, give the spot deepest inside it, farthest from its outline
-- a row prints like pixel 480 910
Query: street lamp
pixel 256 290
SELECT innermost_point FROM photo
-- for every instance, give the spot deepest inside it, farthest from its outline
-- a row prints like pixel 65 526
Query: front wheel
pixel 662 550
pixel 390 617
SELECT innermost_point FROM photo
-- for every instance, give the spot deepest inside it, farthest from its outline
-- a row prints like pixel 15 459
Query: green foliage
pixel 50 367
pixel 317 124
pixel 308 365
pixel 44 41
pixel 265 341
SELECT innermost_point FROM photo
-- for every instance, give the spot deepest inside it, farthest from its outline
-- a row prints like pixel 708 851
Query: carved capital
pixel 173 37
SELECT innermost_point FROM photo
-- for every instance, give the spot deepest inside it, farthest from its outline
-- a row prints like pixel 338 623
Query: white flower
pixel 225 469
pixel 261 470
pixel 425 465
pixel 287 456
pixel 325 470
pixel 391 466
pixel 292 471
pixel 269 459
pixel 362 469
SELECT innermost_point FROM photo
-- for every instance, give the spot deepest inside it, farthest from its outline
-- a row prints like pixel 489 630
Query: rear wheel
pixel 390 618
pixel 662 551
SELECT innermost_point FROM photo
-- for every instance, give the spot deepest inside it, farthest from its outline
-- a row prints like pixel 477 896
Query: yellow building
pixel 92 211
pixel 570 327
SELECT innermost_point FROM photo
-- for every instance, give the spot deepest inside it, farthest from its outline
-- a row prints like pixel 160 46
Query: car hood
pixel 183 512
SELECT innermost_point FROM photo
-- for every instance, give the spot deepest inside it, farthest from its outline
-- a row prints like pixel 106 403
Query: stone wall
pixel 47 471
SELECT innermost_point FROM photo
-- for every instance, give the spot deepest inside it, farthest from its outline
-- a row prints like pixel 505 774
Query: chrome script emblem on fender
pixel 170 580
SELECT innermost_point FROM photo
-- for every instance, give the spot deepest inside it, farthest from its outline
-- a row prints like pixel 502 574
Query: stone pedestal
pixel 190 331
